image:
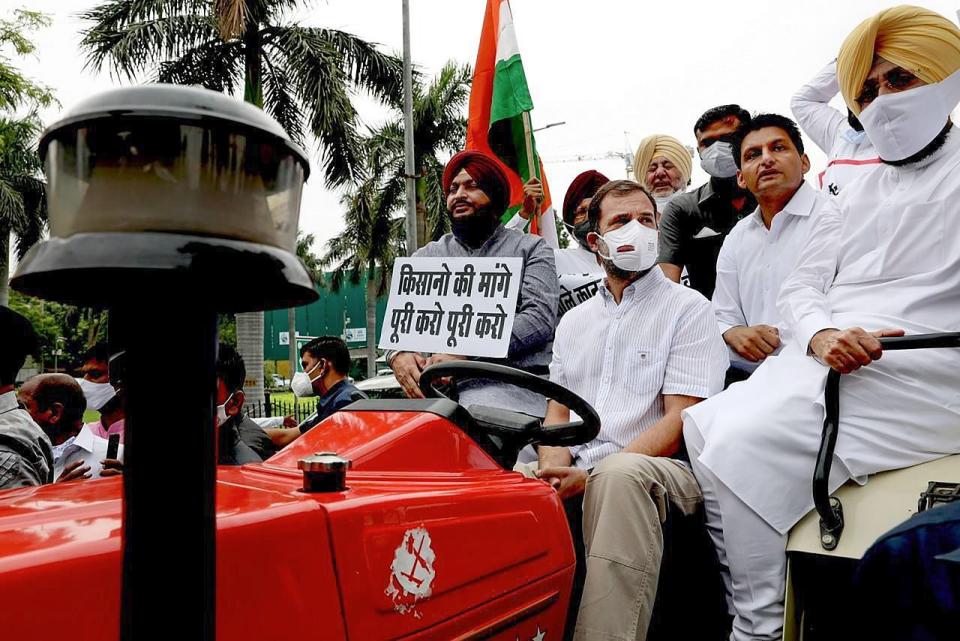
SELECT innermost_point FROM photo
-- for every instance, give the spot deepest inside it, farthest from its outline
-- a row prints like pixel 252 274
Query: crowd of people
pixel 710 396
pixel 43 437
pixel 719 310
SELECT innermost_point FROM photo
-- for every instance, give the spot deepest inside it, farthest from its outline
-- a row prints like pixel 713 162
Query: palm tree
pixel 372 238
pixel 302 76
pixel 311 262
pixel 373 235
pixel 23 203
pixel 439 127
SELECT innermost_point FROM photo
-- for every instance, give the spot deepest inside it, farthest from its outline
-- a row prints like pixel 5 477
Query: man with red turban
pixel 477 195
pixel 577 258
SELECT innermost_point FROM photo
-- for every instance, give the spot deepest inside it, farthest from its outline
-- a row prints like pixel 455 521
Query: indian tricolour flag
pixel 499 122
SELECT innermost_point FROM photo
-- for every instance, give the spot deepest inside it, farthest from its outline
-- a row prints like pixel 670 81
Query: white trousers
pixel 752 554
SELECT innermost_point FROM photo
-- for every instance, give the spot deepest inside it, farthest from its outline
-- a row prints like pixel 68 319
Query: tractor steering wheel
pixel 507 431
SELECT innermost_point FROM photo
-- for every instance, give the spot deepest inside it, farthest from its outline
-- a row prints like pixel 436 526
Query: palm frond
pixel 12 212
pixel 323 89
pixel 213 64
pixel 31 227
pixel 367 67
pixel 131 47
pixel 281 102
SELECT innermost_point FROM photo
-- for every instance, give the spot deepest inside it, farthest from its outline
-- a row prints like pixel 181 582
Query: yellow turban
pixel 921 41
pixel 659 145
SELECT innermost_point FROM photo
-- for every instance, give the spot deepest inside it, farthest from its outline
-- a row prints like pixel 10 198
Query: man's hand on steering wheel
pixel 406 367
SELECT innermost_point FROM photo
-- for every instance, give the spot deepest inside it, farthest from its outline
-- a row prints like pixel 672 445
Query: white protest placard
pixel 576 289
pixel 462 306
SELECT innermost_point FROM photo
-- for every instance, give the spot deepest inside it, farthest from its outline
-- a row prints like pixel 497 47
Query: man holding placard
pixel 477 195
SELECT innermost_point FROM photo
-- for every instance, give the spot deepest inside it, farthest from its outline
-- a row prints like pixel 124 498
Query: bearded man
pixel 884 260
pixel 477 195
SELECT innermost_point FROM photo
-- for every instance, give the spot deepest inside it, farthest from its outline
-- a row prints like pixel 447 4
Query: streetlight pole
pixel 409 165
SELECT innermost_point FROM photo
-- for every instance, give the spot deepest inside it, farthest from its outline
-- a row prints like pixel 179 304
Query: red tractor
pixel 426 537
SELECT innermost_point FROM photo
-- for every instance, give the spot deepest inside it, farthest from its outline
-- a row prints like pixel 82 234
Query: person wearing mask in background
pixel 94 379
pixel 325 362
pixel 578 271
pixel 883 260
pixel 663 165
pixel 477 195
pixel 232 449
pixel 26 455
pixel 102 395
pixel 762 249
pixel 694 224
pixel 57 404
pixel 578 258
pixel 849 151
pixel 640 351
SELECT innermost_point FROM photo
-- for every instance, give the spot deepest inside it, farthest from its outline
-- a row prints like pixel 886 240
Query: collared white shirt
pixel 661 339
pixel 754 261
pixel 850 154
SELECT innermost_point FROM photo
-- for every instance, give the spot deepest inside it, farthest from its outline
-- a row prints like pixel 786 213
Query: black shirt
pixel 684 235
pixel 337 397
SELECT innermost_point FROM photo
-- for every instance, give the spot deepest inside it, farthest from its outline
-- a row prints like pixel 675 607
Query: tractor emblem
pixel 411 573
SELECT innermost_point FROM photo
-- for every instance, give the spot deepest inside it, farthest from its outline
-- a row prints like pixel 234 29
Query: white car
pixel 385 386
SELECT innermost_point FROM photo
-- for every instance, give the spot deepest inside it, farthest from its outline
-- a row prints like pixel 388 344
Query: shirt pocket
pixel 644 370
pixel 914 242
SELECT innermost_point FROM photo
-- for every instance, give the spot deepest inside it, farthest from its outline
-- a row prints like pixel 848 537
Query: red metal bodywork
pixel 315 566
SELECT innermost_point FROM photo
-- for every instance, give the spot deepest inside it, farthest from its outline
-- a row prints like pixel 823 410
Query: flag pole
pixel 409 165
pixel 531 164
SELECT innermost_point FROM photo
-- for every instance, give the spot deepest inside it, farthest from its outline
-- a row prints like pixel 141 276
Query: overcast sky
pixel 614 71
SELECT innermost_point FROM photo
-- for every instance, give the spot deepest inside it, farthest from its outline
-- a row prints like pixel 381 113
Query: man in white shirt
pixel 850 154
pixel 883 259
pixel 640 351
pixel 762 248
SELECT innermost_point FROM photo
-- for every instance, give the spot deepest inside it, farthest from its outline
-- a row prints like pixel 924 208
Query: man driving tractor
pixel 884 261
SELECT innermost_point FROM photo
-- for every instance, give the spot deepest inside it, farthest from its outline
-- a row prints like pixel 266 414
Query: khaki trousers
pixel 624 508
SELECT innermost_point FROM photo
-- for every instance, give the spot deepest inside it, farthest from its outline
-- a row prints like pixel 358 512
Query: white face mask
pixel 717 160
pixel 663 201
pixel 901 124
pixel 302 384
pixel 97 394
pixel 222 412
pixel 643 241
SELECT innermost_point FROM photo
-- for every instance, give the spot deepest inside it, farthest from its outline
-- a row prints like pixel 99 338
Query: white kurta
pixel 886 253
pixel 850 154
pixel 754 261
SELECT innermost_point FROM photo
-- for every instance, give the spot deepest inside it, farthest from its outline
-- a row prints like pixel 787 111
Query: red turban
pixel 583 186
pixel 488 174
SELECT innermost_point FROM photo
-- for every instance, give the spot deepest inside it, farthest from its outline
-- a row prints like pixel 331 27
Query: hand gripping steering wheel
pixel 514 428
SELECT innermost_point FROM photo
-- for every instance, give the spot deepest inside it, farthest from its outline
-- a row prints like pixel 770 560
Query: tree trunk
pixel 371 323
pixel 292 351
pixel 423 228
pixel 253 77
pixel 250 324
pixel 250 347
pixel 5 267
